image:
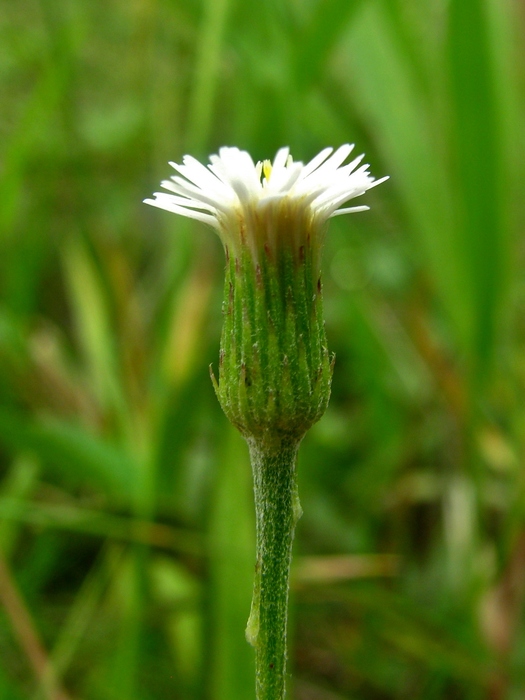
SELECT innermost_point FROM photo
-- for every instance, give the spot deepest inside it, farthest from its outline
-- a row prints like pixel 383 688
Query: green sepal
pixel 275 370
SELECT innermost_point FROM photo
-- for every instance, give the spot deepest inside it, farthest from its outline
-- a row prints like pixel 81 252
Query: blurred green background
pixel 126 523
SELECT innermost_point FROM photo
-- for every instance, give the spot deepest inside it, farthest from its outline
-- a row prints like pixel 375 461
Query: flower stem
pixel 277 511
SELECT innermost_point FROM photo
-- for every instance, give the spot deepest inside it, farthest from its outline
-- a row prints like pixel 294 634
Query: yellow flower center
pixel 267 169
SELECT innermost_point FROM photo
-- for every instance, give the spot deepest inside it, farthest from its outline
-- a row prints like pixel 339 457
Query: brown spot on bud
pixel 242 228
pixel 301 253
pixel 319 285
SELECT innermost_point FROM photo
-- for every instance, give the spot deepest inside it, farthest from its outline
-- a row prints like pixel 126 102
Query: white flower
pixel 232 192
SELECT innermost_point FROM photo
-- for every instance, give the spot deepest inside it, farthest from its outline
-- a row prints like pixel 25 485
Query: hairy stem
pixel 277 511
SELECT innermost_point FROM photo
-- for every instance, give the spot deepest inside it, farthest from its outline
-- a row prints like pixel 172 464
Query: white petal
pixel 186 189
pixel 236 170
pixel 334 198
pixel 162 203
pixel 348 210
pixel 311 196
pixel 242 191
pixel 378 182
pixel 341 154
pixel 185 201
pixel 350 167
pixel 217 168
pixel 337 158
pixel 230 185
pixel 284 179
pixel 315 162
pixel 198 174
pixel 280 158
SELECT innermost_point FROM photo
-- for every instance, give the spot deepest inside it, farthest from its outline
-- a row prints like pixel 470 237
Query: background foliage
pixel 126 523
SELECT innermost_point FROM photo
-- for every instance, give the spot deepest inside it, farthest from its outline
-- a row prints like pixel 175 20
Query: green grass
pixel 126 516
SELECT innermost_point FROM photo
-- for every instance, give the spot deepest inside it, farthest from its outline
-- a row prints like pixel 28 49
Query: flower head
pixel 275 369
pixel 242 199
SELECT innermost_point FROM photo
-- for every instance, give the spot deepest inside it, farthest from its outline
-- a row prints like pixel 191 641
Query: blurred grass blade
pixel 100 524
pixel 82 612
pixel 208 61
pixel 189 314
pixel 232 547
pixel 124 607
pixel 17 486
pixel 18 148
pixel 93 322
pixel 178 592
pixel 27 634
pixel 7 690
pixel 79 457
pixel 386 94
pixel 477 157
pixel 328 21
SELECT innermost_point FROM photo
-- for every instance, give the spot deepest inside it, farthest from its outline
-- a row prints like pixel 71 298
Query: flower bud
pixel 274 370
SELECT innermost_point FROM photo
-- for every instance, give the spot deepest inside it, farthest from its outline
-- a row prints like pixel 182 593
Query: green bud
pixel 274 370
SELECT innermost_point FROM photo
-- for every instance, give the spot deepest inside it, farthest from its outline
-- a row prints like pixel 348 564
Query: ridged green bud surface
pixel 274 370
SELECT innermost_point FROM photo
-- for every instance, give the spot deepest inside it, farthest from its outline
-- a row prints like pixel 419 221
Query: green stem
pixel 277 511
